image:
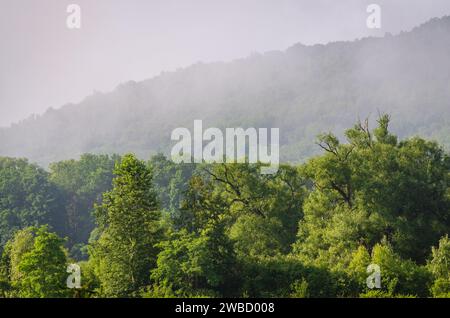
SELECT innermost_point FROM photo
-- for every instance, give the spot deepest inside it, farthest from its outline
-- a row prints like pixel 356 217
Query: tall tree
pixel 129 225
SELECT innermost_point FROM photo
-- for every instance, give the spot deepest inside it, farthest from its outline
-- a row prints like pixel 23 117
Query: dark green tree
pixel 371 189
pixel 82 183
pixel 27 198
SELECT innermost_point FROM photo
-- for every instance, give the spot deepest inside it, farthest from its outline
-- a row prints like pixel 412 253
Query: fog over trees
pixel 304 91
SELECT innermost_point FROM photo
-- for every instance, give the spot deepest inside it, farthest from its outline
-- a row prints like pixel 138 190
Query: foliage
pixel 191 265
pixel 82 183
pixel 439 266
pixel 38 264
pixel 128 221
pixel 371 189
pixel 27 198
pixel 225 230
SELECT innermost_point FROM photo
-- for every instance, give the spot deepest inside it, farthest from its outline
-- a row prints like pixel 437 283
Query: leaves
pixel 124 253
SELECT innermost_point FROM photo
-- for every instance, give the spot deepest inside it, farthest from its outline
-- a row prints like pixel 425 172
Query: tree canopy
pixel 160 229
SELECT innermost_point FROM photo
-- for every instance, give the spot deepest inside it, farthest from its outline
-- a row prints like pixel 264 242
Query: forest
pixel 159 229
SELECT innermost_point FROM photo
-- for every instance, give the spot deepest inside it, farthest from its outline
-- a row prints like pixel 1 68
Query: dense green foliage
pixel 375 188
pixel 34 265
pixel 161 229
pixel 82 183
pixel 27 197
pixel 439 266
pixel 128 225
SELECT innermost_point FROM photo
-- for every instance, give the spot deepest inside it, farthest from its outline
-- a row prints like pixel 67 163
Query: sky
pixel 45 64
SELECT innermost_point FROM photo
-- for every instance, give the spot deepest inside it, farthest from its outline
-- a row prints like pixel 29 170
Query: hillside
pixel 304 90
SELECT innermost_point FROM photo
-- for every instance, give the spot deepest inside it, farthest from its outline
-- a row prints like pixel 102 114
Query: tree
pixel 43 268
pixel 16 248
pixel 439 266
pixel 256 237
pixel 192 265
pixel 81 183
pixel 171 181
pixel 357 269
pixel 199 258
pixel 399 277
pixel 128 221
pixel 241 192
pixel 370 189
pixel 27 198
pixel 21 243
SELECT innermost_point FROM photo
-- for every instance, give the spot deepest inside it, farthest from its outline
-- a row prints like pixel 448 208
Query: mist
pixel 44 64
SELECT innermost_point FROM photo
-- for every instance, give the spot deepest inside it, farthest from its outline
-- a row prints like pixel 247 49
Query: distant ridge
pixel 304 90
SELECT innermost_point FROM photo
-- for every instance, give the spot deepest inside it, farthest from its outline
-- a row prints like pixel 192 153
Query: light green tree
pixel 439 266
pixel 21 243
pixel 43 269
pixel 128 221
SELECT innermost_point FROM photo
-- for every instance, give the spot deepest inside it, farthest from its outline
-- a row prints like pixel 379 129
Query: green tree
pixel 171 181
pixel 370 189
pixel 199 259
pixel 254 236
pixel 43 268
pixel 21 243
pixel 128 221
pixel 272 202
pixel 399 277
pixel 27 198
pixel 439 266
pixel 191 264
pixel 82 183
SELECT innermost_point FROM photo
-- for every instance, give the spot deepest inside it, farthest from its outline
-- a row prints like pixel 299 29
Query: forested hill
pixel 303 91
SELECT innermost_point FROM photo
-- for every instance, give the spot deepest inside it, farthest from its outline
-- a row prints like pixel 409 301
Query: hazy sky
pixel 44 64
